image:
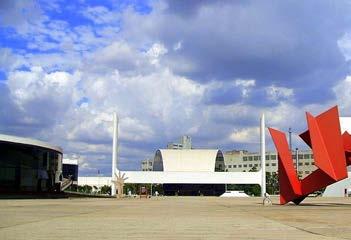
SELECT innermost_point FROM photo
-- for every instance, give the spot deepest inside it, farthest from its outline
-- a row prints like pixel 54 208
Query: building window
pixel 300 156
pixel 267 165
pixel 306 156
pixel 256 165
pixel 250 165
pixel 234 166
pixel 229 166
pixel 267 157
pixel 300 163
pixel 245 158
pixel 307 163
pixel 300 172
pixel 274 157
pixel 239 166
pixel 274 164
pixel 256 158
pixel 250 158
pixel 307 172
pixel 245 165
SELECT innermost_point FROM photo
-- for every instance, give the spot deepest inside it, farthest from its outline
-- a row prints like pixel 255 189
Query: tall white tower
pixel 114 152
pixel 263 155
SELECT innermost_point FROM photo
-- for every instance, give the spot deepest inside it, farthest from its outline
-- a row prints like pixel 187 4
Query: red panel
pixel 329 148
pixel 290 187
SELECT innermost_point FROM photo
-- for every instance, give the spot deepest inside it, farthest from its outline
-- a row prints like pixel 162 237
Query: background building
pixel 244 161
pixel 185 143
pixel 28 165
pixel 147 164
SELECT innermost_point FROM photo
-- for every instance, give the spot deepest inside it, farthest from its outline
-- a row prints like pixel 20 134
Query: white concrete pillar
pixel 114 152
pixel 263 155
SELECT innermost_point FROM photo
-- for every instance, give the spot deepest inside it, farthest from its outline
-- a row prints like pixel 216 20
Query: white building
pixel 244 161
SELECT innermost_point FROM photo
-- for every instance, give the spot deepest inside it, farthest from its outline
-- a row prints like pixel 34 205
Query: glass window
pixel 245 158
pixel 267 157
pixel 274 157
pixel 306 156
pixel 267 164
pixel 307 172
pixel 256 158
pixel 300 163
pixel 300 156
pixel 250 158
pixel 311 156
pixel 229 166
pixel 239 166
pixel 256 165
pixel 274 164
pixel 250 165
pixel 307 163
pixel 234 166
pixel 245 165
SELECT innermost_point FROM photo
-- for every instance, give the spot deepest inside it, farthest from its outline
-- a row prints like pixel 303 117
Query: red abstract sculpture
pixel 331 150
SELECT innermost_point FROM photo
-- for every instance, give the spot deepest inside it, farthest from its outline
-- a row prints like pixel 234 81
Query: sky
pixel 207 69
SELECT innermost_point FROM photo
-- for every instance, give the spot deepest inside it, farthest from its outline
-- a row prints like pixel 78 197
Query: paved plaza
pixel 174 218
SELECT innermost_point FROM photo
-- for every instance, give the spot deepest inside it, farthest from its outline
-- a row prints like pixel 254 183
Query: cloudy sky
pixel 202 68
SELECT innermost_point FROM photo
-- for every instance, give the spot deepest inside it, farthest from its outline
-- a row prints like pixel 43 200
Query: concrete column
pixel 263 155
pixel 114 152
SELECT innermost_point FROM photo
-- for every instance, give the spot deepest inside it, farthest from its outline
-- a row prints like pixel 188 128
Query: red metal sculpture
pixel 331 150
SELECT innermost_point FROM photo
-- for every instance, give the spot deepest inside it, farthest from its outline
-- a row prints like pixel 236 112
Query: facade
pixel 244 161
pixel 185 143
pixel 28 165
pixel 147 165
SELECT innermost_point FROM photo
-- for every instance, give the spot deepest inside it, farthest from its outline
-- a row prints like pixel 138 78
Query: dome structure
pixel 188 160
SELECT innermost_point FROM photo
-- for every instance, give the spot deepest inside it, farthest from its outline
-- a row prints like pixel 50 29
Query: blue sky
pixel 202 68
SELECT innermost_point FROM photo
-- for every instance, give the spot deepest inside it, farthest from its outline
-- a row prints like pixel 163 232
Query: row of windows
pixel 267 165
pixel 303 156
pixel 250 165
pixel 258 157
pixel 274 157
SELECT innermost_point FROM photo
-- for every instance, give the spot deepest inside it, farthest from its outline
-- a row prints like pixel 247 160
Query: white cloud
pixel 246 135
pixel 278 93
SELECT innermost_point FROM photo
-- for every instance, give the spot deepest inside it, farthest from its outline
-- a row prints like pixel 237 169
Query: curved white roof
pixel 187 160
pixel 28 141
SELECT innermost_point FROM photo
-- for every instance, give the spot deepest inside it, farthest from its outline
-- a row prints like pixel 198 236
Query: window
pixel 250 158
pixel 307 172
pixel 267 157
pixel 294 156
pixel 245 165
pixel 300 172
pixel 239 166
pixel 234 166
pixel 300 163
pixel 312 163
pixel 267 164
pixel 306 156
pixel 274 157
pixel 256 165
pixel 229 166
pixel 256 158
pixel 245 158
pixel 307 163
pixel 250 165
pixel 300 156
pixel 274 164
